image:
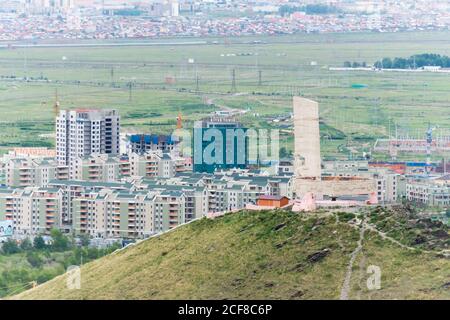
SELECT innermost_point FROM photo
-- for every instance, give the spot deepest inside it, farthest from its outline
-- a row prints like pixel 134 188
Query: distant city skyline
pixel 115 19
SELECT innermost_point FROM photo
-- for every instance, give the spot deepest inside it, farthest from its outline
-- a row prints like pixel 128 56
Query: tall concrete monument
pixel 308 178
pixel 307 139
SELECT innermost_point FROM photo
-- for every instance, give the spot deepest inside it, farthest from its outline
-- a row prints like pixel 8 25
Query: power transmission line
pixel 233 80
pixel 130 91
pixel 112 76
pixel 197 83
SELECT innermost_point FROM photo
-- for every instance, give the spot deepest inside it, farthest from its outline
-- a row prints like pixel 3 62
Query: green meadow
pixel 150 84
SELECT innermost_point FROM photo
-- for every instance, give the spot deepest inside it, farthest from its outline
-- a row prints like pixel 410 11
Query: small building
pixel 272 201
pixel 431 68
pixel 47 240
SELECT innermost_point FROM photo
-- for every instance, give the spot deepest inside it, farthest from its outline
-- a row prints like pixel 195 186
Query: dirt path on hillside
pixel 348 276
pixel 234 111
pixel 386 237
pixel 363 226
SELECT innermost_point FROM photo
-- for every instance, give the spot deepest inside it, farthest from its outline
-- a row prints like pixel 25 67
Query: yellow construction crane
pixel 57 104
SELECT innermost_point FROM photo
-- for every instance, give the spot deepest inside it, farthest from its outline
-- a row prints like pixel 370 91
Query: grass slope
pixel 254 255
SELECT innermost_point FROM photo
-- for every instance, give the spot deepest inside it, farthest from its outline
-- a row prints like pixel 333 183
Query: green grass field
pixel 99 77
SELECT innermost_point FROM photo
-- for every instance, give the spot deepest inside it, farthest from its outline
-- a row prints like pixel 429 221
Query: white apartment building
pixel 154 164
pixel 387 185
pixel 128 214
pixel 34 210
pixel 114 214
pixel 433 192
pixel 83 132
pixel 71 189
pixel 387 181
pixel 48 6
pixel 33 172
pixel 97 168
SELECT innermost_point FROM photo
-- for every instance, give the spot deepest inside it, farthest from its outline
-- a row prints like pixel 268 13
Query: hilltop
pixel 273 255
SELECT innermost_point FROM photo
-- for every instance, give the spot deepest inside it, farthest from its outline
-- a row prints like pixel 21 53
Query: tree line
pixel 414 62
pixel 354 64
pixel 41 261
pixel 59 243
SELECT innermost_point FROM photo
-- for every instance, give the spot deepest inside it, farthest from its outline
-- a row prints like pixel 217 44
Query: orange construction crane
pixel 179 121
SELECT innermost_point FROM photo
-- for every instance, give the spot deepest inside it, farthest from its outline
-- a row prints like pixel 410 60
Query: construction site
pixel 434 139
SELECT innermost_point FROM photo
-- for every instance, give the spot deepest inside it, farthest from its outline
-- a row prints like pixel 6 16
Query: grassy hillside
pixel 248 255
